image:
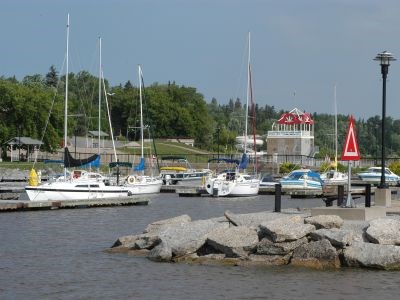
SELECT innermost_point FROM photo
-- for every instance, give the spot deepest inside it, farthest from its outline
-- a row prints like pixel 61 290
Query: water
pixel 60 255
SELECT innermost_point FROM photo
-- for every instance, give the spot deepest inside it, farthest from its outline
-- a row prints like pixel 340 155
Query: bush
pixel 395 167
pixel 288 167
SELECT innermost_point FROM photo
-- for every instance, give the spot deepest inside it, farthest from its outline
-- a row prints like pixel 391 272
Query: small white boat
pixel 373 174
pixel 232 184
pixel 334 177
pixel 302 179
pixel 181 172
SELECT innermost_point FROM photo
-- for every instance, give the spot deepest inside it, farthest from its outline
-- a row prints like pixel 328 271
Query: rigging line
pixel 51 110
pixel 109 117
pixel 239 84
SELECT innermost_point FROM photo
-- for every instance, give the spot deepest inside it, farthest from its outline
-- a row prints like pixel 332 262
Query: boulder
pixel 253 220
pixel 285 229
pixel 233 241
pixel 267 247
pixel 318 255
pixel 370 255
pixel 135 242
pixel 338 238
pixel 158 225
pixel 384 231
pixel 162 252
pixel 325 221
pixel 186 238
pixel 266 260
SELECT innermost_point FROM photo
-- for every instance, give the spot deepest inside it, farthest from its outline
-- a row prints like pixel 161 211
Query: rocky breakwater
pixel 268 238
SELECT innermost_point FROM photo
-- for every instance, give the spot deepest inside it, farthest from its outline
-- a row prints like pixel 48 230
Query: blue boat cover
pixel 244 162
pixel 140 166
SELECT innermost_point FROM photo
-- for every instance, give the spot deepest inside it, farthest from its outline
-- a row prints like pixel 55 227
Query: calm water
pixel 59 255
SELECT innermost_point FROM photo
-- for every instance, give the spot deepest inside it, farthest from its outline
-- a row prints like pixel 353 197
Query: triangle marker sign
pixel 350 149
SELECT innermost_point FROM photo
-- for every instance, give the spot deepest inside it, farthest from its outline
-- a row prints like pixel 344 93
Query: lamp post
pixel 218 131
pixel 384 59
pixel 19 142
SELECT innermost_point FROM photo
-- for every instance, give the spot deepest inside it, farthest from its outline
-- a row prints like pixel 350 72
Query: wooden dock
pixel 25 205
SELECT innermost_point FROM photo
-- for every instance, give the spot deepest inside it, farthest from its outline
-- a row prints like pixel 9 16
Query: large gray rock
pixel 186 238
pixel 233 241
pixel 159 225
pixel 339 238
pixel 266 260
pixel 285 229
pixel 135 242
pixel 267 247
pixel 318 255
pixel 253 220
pixel 162 252
pixel 384 231
pixel 325 221
pixel 370 255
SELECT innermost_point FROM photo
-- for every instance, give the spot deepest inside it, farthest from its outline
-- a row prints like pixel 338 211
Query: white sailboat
pixel 80 184
pixel 139 183
pixel 235 183
pixel 333 176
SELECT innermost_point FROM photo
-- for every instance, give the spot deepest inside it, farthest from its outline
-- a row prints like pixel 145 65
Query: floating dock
pixel 25 205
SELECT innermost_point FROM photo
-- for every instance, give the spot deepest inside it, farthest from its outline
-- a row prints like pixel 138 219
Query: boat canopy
pixel 226 160
pixel 120 164
pixel 70 162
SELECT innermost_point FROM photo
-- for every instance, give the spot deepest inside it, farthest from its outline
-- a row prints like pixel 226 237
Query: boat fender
pixel 131 179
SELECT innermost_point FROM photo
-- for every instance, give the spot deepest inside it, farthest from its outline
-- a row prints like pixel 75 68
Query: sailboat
pixel 235 183
pixel 79 184
pixel 333 176
pixel 139 183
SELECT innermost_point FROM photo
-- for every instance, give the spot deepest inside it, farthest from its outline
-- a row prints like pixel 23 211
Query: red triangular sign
pixel 350 149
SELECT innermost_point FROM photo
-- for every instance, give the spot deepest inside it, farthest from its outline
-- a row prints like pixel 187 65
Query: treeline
pixel 34 107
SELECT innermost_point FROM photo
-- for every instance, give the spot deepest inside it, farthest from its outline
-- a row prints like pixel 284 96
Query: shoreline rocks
pixel 270 239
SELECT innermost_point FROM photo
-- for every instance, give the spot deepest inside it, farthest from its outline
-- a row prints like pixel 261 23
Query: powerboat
pixel 334 177
pixel 181 172
pixel 373 175
pixel 302 179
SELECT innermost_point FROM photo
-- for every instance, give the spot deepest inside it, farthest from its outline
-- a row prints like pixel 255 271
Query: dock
pixel 26 205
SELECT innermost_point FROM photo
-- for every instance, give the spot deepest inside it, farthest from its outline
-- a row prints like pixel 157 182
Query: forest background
pixel 170 110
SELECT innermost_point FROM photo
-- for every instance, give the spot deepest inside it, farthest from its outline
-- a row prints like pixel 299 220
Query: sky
pixel 300 49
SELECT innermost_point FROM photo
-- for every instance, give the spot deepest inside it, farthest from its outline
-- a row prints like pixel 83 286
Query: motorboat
pixel 232 184
pixel 334 177
pixel 302 179
pixel 373 175
pixel 181 172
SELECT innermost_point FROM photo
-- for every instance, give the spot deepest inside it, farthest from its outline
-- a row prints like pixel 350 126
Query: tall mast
pixel 100 75
pixel 336 129
pixel 247 99
pixel 141 107
pixel 66 98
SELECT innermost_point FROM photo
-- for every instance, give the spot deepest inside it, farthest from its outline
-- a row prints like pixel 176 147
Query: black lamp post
pixel 218 131
pixel 384 59
pixel 19 142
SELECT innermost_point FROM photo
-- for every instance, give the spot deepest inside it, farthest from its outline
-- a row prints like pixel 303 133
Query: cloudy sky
pixel 299 49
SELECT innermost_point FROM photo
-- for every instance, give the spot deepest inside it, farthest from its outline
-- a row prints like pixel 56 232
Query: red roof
pixel 295 116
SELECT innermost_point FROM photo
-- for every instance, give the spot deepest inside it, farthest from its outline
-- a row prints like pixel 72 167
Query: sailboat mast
pixel 141 108
pixel 247 99
pixel 336 129
pixel 66 98
pixel 100 75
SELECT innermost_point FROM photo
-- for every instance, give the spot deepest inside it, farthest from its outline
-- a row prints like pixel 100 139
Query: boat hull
pixel 223 188
pixel 58 191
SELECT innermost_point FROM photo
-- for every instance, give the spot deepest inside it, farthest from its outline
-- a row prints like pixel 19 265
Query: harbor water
pixel 59 254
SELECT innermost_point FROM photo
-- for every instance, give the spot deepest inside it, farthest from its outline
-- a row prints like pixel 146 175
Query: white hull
pixel 58 191
pixel 219 187
pixel 138 185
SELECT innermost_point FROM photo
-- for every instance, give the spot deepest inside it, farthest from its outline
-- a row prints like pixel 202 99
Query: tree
pixel 51 79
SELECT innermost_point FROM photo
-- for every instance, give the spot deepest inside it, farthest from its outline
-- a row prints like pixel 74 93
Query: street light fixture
pixel 384 59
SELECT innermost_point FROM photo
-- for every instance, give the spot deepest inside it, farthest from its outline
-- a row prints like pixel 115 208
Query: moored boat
pixel 302 179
